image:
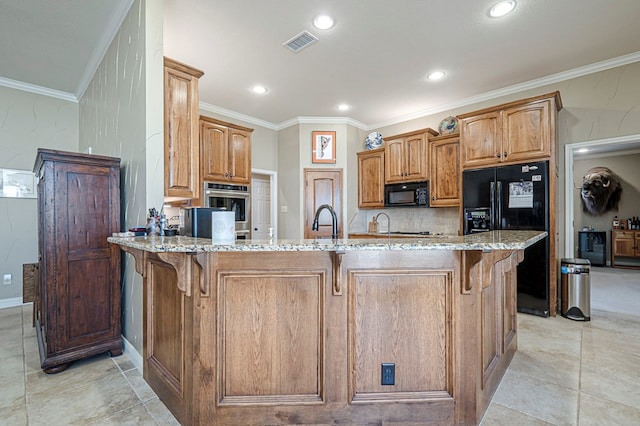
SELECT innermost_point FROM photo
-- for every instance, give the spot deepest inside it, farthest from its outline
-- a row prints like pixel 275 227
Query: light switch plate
pixel 6 280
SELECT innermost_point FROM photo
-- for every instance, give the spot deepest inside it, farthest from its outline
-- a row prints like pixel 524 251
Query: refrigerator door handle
pixel 499 202
pixel 492 201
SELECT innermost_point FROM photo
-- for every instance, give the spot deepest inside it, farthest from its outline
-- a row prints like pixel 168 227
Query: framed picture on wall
pixel 323 147
pixel 17 184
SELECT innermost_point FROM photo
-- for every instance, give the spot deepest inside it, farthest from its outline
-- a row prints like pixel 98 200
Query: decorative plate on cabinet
pixel 373 140
pixel 448 125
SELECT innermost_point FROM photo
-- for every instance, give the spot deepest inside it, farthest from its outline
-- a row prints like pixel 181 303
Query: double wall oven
pixel 235 198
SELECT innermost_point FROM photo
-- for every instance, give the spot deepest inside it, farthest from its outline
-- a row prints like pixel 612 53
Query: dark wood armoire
pixel 78 300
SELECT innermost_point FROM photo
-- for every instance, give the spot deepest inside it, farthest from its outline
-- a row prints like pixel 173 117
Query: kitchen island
pixel 297 332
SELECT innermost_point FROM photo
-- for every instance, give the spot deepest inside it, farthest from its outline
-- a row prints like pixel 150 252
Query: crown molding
pixel 115 22
pixel 323 120
pixel 237 115
pixel 38 90
pixel 516 88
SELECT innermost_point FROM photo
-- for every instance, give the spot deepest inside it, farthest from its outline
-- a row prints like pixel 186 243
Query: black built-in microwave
pixel 412 194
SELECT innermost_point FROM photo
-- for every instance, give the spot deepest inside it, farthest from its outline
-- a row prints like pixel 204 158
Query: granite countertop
pixel 494 240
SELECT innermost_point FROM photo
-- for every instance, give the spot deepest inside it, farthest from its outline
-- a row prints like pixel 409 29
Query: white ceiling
pixel 375 58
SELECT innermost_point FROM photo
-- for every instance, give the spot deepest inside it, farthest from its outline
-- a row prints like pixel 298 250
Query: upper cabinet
pixel 444 167
pixel 181 141
pixel 511 133
pixel 371 179
pixel 406 156
pixel 225 151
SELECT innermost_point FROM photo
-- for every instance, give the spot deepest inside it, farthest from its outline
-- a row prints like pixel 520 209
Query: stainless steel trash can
pixel 575 289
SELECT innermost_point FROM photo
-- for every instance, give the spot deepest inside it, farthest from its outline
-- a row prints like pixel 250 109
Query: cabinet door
pixel 88 310
pixel 395 161
pixel 181 152
pixel 239 156
pixel 214 151
pixel 637 245
pixel 415 151
pixel 623 243
pixel 371 179
pixel 444 167
pixel 481 140
pixel 526 132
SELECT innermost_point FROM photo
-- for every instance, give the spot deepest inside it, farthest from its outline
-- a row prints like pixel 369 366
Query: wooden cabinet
pixel 181 142
pixel 625 248
pixel 78 306
pixel 406 156
pixel 371 179
pixel 225 151
pixel 511 133
pixel 444 170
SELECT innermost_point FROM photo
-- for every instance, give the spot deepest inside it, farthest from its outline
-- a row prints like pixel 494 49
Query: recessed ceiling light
pixel 259 89
pixel 583 150
pixel 436 75
pixel 502 8
pixel 344 107
pixel 323 22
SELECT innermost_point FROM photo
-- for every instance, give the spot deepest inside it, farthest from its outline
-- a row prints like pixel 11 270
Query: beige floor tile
pixel 15 415
pixel 605 347
pixel 597 412
pixel 499 415
pixel 134 416
pixel 82 403
pixel 563 370
pixel 78 374
pixel 139 386
pixel 616 380
pixel 12 388
pixel 549 334
pixel 546 401
pixel 160 413
pixel 11 343
pixel 615 322
pixel 123 362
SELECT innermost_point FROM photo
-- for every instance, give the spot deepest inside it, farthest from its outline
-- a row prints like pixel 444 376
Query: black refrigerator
pixel 516 198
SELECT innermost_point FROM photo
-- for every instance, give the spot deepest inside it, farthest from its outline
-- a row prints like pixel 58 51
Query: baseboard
pixel 11 302
pixel 133 355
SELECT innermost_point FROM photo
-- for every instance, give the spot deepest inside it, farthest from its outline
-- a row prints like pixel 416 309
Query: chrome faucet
pixel 388 224
pixel 314 227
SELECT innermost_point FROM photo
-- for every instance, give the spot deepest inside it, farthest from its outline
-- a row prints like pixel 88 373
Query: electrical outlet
pixel 388 373
pixel 6 279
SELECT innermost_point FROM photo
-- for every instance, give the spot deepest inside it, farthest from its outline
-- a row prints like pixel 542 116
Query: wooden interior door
pixel 322 186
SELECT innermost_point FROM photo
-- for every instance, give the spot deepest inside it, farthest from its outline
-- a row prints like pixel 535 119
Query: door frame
pixel 273 187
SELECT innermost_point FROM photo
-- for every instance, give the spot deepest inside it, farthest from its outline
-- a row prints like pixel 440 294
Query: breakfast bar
pixel 346 331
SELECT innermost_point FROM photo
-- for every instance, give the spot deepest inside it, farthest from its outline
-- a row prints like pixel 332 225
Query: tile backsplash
pixel 435 220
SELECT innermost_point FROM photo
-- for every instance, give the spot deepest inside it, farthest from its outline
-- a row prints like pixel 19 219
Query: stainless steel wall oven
pixel 235 198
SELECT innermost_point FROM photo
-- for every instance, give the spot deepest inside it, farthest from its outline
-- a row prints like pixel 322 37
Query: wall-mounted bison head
pixel 600 191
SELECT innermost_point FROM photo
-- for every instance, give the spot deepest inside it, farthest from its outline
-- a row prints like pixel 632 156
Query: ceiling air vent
pixel 300 41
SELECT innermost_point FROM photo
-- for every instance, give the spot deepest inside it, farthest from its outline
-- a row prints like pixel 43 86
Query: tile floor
pixel 564 373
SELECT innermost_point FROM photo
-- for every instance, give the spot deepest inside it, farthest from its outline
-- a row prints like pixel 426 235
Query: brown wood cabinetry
pixel 78 307
pixel 511 133
pixel 181 142
pixel 406 156
pixel 371 179
pixel 625 249
pixel 225 151
pixel 302 338
pixel 444 170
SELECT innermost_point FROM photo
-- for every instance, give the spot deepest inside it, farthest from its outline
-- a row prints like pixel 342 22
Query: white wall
pixel 27 122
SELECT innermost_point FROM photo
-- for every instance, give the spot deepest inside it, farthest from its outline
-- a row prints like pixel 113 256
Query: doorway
pixel 263 205
pixel 596 146
pixel 322 186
